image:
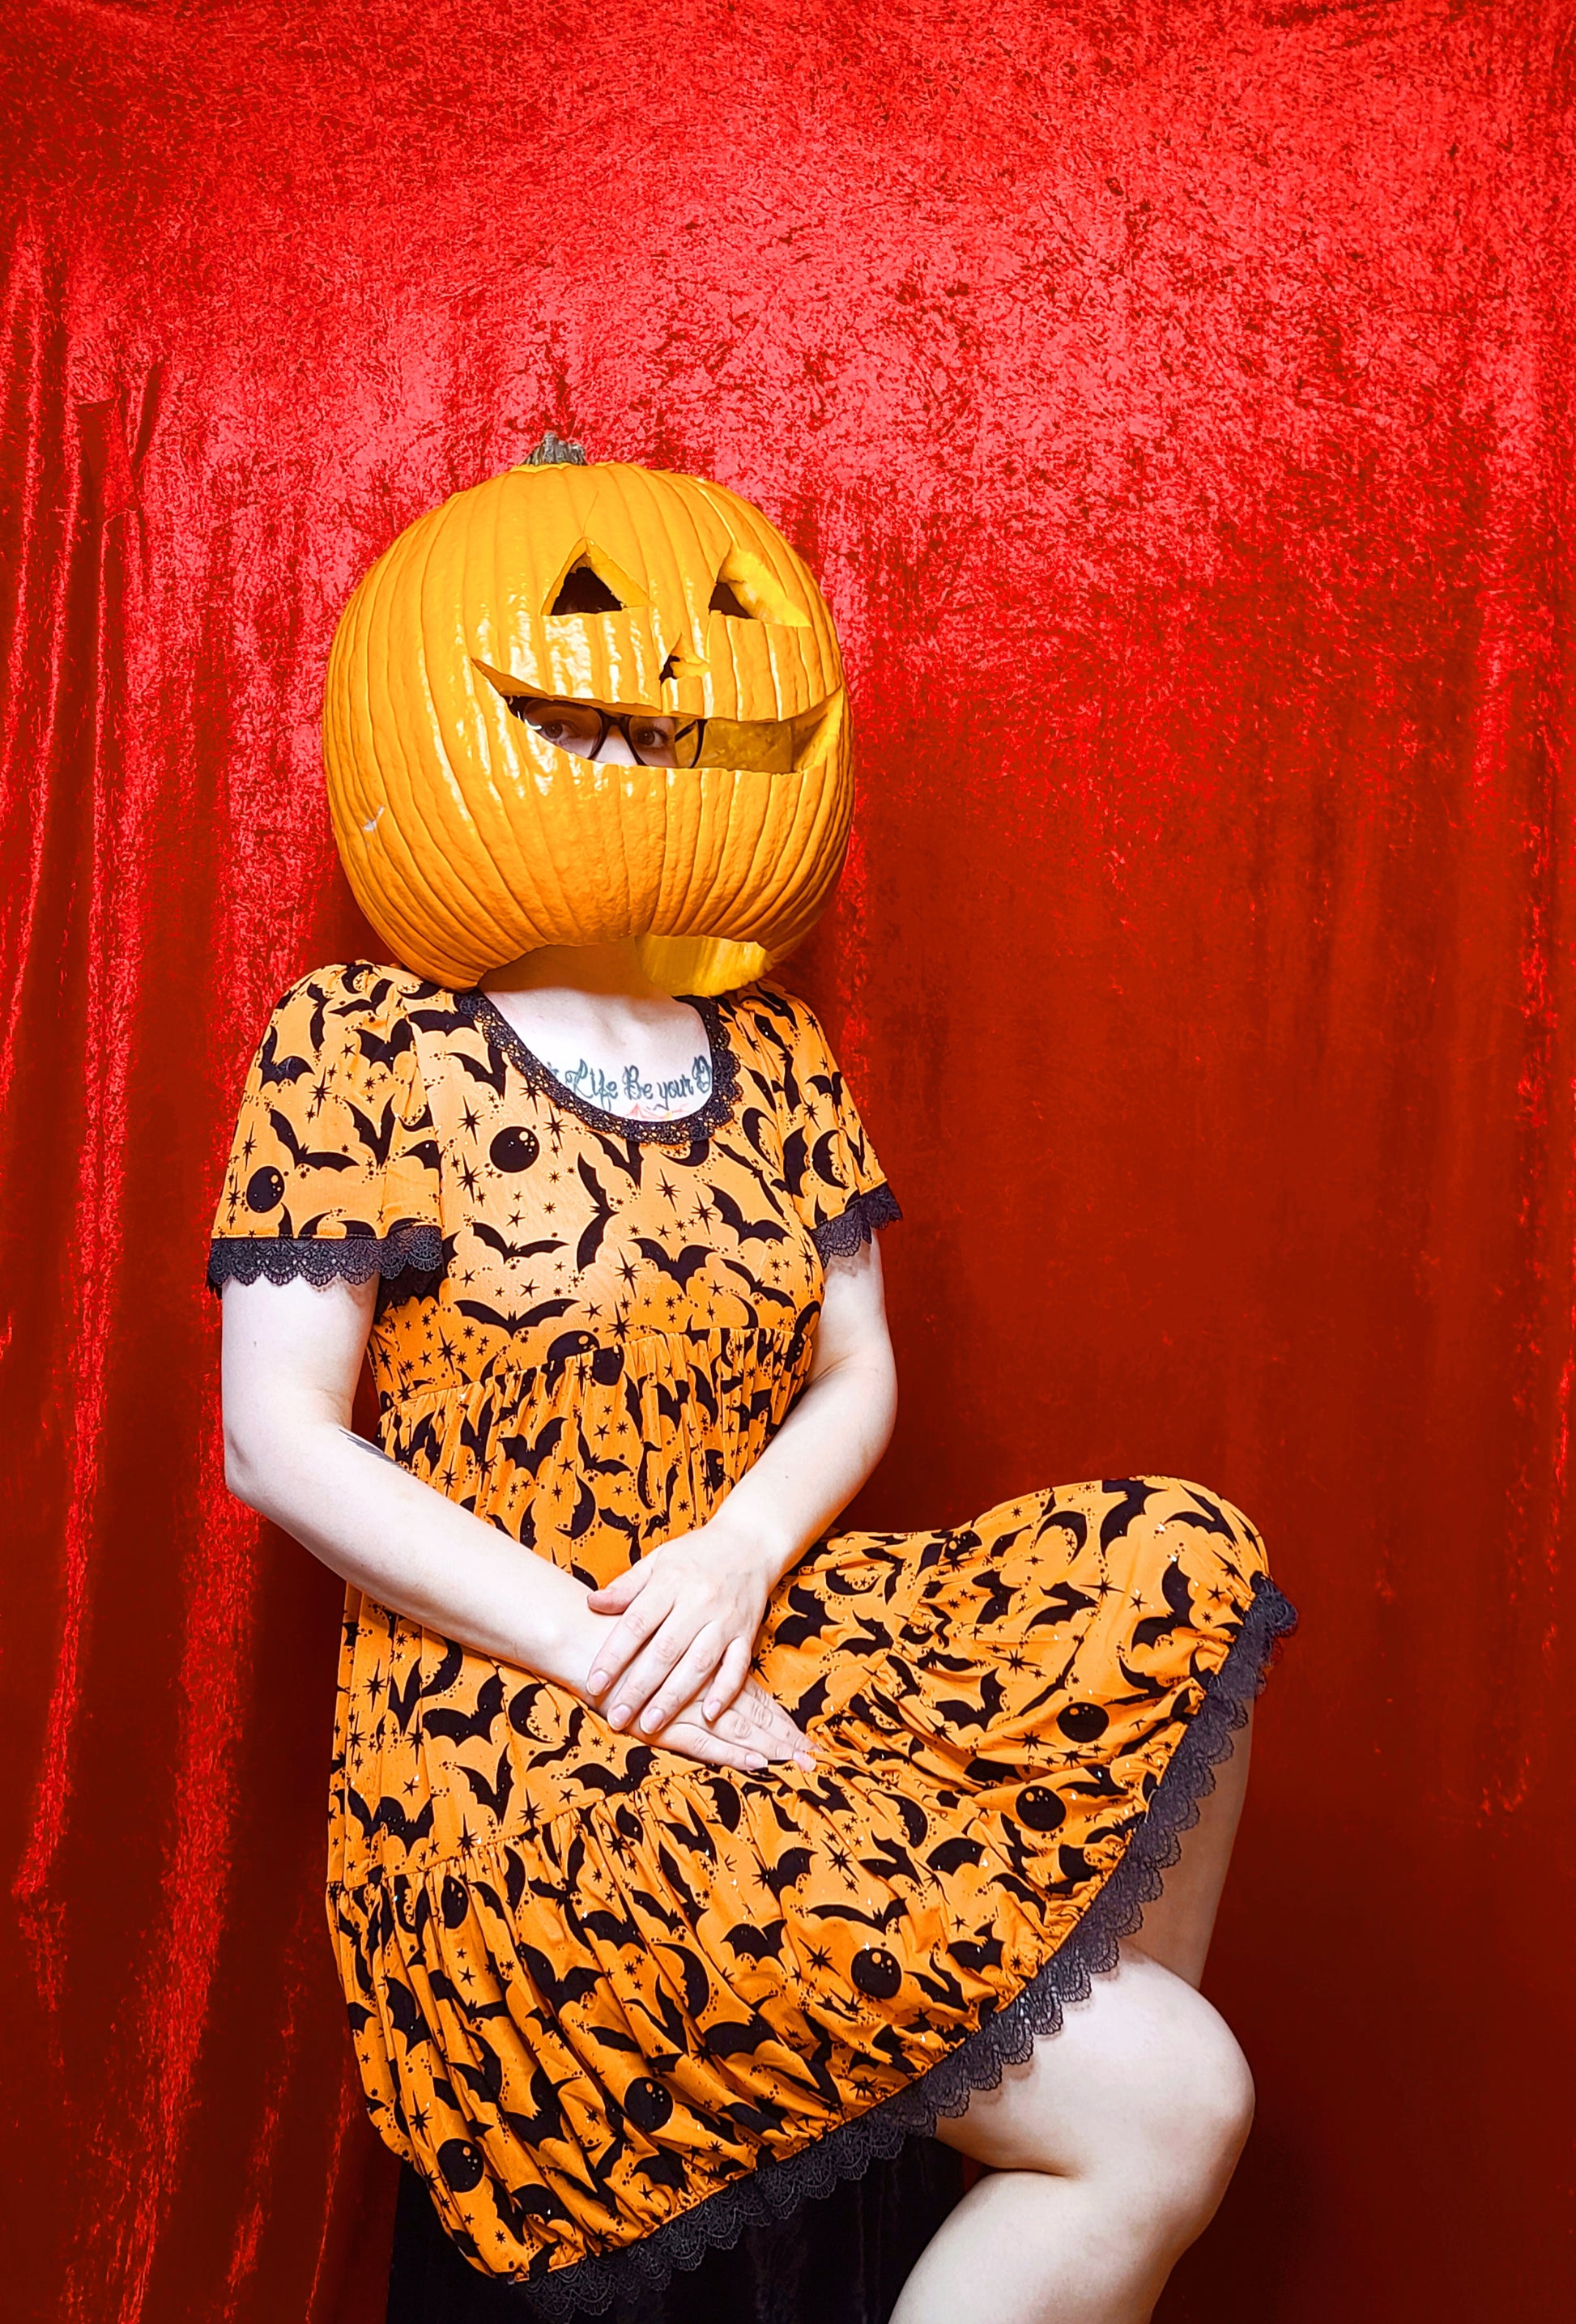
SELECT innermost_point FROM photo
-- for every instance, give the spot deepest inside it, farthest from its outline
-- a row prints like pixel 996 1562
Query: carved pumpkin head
pixel 469 837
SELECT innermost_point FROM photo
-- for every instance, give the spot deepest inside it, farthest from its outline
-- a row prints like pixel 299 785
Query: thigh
pixel 1177 1926
pixel 1145 2063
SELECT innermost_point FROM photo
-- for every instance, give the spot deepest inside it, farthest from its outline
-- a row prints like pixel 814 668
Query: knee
pixel 1198 2120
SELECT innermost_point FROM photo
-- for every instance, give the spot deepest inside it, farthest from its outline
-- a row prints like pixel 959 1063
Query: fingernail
pixel 649 1724
pixel 597 1681
pixel 714 1708
pixel 618 1714
pixel 755 1762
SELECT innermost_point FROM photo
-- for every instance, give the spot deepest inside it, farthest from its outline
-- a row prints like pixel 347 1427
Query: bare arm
pixel 690 1611
pixel 292 1353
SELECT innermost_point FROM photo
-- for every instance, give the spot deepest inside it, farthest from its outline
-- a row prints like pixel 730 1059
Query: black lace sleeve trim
pixel 773 2189
pixel 416 1252
pixel 841 1237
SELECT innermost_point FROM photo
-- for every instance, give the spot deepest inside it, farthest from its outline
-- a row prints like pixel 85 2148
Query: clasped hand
pixel 685 1634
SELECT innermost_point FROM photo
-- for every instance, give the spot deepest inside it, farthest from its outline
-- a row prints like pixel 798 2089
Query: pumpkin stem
pixel 555 452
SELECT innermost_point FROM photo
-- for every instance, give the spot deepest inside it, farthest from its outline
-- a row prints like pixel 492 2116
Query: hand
pixel 689 1617
pixel 748 1737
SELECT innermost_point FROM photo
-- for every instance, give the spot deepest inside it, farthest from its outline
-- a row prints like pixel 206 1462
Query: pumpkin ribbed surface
pixel 469 839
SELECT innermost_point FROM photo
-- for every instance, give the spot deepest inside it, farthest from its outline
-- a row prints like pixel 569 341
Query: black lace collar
pixel 480 1010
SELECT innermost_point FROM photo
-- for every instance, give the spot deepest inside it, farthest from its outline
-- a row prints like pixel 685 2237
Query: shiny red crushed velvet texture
pixel 1176 405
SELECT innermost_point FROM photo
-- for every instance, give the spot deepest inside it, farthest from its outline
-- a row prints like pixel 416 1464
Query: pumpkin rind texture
pixel 469 839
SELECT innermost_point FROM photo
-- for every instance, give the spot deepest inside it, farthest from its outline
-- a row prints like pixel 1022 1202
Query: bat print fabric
pixel 599 1992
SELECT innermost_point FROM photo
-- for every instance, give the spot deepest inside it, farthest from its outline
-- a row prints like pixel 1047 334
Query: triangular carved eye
pixel 583 590
pixel 723 601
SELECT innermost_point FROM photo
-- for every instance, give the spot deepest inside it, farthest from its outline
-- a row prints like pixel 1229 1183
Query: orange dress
pixel 610 2003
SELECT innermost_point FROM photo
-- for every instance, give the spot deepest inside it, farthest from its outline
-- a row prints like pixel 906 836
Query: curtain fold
pixel 1176 405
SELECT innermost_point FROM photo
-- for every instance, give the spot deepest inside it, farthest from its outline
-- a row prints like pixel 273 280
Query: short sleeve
pixel 333 1171
pixel 836 1182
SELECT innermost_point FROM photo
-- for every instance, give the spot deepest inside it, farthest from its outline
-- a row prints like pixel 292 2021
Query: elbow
pixel 243 1472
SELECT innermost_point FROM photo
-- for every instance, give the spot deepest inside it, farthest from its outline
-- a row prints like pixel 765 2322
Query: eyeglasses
pixel 652 741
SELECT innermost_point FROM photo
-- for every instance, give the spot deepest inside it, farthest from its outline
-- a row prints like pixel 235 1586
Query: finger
pixel 616 1595
pixel 779 1732
pixel 685 1680
pixel 633 1690
pixel 700 1742
pixel 732 1672
pixel 780 1739
pixel 638 1623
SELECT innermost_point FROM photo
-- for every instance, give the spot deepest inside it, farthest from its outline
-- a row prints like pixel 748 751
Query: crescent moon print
pixel 602 1997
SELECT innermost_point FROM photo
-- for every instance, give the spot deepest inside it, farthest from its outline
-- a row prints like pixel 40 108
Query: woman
pixel 684 1856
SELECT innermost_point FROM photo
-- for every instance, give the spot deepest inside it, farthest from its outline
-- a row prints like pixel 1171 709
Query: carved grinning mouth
pixel 761 745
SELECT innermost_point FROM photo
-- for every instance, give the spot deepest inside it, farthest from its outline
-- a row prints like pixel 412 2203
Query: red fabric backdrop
pixel 1176 401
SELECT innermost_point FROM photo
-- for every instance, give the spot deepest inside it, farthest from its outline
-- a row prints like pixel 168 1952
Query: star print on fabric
pixel 568 1904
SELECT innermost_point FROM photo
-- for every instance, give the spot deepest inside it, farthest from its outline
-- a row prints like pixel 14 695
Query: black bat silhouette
pixel 379 1052
pixel 491 1076
pixel 376 1136
pixel 746 1229
pixel 416 1688
pixel 599 1468
pixel 671 1401
pixel 590 1241
pixel 390 1816
pixel 548 2121
pixel 584 1512
pixel 690 1259
pixel 513 1250
pixel 958 1713
pixel 629 1158
pixel 539 1314
pixel 474 1433
pixel 890 1863
pixel 470 1726
pixel 1062 1602
pixel 952 1855
pixel 829 1084
pixel 557 1992
pixel 976 1953
pixel 663 2169
pixel 525 1455
pixel 271 1068
pixel 495 1796
pixel 408 2020
pixel 1214 1521
pixel 998 1601
pixel 1135 1494
pixel 887 1917
pixel 751 1943
pixel 1174 1589
pixel 726 2041
pixel 305 1158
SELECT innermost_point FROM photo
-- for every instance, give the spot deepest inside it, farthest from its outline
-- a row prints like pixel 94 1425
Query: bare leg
pixel 1110 2148
pixel 1178 1925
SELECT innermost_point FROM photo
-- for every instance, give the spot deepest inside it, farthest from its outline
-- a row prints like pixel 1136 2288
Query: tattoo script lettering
pixel 631 1094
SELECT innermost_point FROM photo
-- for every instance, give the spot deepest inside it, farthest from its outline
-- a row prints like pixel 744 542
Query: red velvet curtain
pixel 1176 403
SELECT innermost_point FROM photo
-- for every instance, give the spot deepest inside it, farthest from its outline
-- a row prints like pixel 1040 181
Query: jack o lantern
pixel 470 837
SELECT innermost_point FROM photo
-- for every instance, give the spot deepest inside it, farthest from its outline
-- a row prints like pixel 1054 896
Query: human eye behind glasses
pixel 589 733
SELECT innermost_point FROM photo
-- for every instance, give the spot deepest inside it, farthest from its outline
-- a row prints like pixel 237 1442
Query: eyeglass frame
pixel 608 719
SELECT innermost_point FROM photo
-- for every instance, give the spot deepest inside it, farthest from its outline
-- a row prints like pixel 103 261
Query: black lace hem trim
pixel 478 1009
pixel 590 2286
pixel 841 1237
pixel 416 1252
